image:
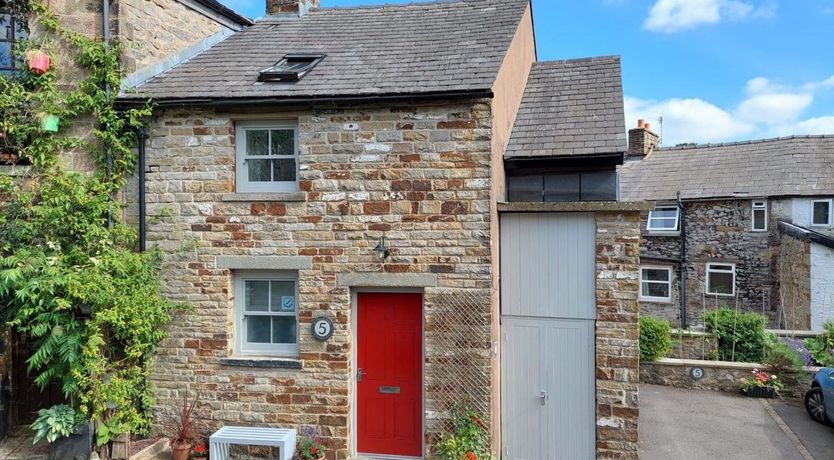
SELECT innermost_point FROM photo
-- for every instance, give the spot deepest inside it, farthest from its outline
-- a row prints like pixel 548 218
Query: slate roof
pixel 787 166
pixel 384 50
pixel 572 107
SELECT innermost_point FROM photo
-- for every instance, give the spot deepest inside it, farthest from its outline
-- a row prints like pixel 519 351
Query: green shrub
pixel 655 338
pixel 785 361
pixel 822 347
pixel 741 336
pixel 59 421
pixel 469 437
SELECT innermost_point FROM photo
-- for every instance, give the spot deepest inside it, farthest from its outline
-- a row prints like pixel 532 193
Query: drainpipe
pixel 105 34
pixel 682 265
pixel 141 138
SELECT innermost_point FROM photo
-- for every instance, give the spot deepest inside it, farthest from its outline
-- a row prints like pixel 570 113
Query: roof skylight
pixel 290 68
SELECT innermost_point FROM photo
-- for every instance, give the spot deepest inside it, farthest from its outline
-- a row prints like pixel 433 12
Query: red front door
pixel 389 403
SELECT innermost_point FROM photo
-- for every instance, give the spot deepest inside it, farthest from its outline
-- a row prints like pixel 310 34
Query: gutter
pixel 682 265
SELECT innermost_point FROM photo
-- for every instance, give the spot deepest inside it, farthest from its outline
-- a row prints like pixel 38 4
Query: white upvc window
pixel 721 279
pixel 266 156
pixel 759 215
pixel 665 219
pixel 655 284
pixel 821 213
pixel 266 313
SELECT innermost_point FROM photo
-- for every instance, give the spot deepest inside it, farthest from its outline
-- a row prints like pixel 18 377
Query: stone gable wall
pixel 795 257
pixel 418 175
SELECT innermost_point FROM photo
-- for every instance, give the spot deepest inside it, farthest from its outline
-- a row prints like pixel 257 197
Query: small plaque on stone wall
pixel 322 328
pixel 697 373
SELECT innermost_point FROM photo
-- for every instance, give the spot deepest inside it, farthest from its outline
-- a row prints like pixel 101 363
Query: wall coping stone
pixel 14 170
pixel 267 363
pixel 794 333
pixel 577 206
pixel 265 262
pixel 281 197
pixel 374 279
pixel 690 333
pixel 714 364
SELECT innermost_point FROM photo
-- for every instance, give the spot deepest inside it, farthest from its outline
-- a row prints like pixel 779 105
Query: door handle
pixel 543 397
pixel 360 374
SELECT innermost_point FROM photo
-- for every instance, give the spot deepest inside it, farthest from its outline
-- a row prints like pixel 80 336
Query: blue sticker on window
pixel 288 303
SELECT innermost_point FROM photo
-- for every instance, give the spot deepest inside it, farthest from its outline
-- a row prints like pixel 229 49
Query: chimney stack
pixel 297 7
pixel 641 141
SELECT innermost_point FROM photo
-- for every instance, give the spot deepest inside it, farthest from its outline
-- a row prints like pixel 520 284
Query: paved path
pixel 18 446
pixel 697 425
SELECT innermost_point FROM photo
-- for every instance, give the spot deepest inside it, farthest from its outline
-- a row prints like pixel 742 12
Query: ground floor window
pixel 656 284
pixel 721 279
pixel 267 313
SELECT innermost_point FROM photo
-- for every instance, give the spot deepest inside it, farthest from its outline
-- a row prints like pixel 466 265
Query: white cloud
pixel 768 109
pixel 677 15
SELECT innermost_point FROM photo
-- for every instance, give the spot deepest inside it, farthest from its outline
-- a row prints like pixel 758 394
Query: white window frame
pixel 244 348
pixel 677 210
pixel 830 213
pixel 761 206
pixel 647 298
pixel 243 185
pixel 711 269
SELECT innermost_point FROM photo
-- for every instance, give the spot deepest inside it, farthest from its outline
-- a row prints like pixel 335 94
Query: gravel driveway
pixel 691 424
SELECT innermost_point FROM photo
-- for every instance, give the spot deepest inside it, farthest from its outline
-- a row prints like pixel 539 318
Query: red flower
pixel 314 450
pixel 471 456
pixel 200 448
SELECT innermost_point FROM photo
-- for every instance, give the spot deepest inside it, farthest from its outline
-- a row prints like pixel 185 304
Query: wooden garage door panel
pixel 548 265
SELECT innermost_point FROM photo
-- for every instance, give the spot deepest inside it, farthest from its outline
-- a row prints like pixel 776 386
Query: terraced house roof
pixel 569 108
pixel 428 48
pixel 789 166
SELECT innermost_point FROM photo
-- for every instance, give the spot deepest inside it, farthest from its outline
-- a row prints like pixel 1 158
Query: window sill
pixel 729 296
pixel 272 196
pixel 662 233
pixel 650 300
pixel 264 363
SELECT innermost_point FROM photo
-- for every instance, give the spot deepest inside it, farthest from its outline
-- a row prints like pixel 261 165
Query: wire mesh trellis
pixel 458 354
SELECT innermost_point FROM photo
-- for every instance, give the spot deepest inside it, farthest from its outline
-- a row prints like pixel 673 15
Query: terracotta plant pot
pixel 39 62
pixel 180 450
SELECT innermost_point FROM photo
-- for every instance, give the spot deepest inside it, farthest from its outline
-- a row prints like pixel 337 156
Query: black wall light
pixel 381 251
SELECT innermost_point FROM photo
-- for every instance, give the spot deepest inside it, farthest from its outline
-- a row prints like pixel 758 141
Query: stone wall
pixel 418 175
pixel 795 291
pixel 617 334
pixel 687 344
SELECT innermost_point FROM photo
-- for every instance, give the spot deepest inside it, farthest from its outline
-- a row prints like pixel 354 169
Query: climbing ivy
pixel 70 279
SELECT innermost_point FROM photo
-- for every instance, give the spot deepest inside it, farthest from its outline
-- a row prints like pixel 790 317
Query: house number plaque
pixel 322 328
pixel 697 373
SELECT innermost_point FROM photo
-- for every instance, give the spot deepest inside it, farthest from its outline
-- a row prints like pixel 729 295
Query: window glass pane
pixel 655 290
pixel 653 274
pixel 726 268
pixel 259 170
pixel 284 329
pixel 257 142
pixel 759 219
pixel 5 54
pixel 720 283
pixel 561 187
pixel 283 296
pixel 257 295
pixel 664 213
pixel 283 142
pixel 257 329
pixel 283 170
pixel 525 188
pixel 822 210
pixel 599 186
pixel 5 27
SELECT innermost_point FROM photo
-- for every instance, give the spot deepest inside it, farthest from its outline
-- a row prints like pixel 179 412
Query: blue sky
pixel 715 70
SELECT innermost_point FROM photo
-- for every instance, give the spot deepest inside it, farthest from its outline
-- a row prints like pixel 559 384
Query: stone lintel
pixel 578 206
pixel 374 279
pixel 265 262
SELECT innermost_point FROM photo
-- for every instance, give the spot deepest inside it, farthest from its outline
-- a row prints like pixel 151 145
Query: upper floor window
pixel 267 156
pixel 721 279
pixel 656 284
pixel 548 188
pixel 12 30
pixel 821 213
pixel 664 220
pixel 266 313
pixel 759 216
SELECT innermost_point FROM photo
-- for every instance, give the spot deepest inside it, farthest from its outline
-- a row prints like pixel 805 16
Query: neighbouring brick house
pixel 753 227
pixel 341 170
pixel 151 31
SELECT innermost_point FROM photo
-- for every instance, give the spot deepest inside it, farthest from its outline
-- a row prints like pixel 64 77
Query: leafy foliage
pixel 469 438
pixel 59 421
pixel 310 446
pixel 762 379
pixel 822 347
pixel 655 338
pixel 69 277
pixel 741 336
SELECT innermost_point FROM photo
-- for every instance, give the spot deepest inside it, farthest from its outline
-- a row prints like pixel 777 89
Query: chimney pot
pixel 647 126
pixel 641 123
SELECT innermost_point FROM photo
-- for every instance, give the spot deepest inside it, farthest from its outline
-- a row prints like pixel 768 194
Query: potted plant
pixel 200 451
pixel 68 432
pixel 468 439
pixel 182 427
pixel 761 385
pixel 38 61
pixel 310 446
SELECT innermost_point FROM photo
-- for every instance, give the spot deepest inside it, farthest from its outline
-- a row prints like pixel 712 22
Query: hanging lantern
pixel 39 61
pixel 49 123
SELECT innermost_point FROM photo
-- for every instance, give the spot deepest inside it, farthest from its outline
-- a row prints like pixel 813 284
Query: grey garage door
pixel 547 334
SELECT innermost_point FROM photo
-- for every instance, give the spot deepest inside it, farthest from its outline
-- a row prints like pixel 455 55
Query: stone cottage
pixel 745 224
pixel 330 185
pixel 150 32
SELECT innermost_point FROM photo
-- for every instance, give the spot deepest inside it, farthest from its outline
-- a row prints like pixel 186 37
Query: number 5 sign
pixel 322 328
